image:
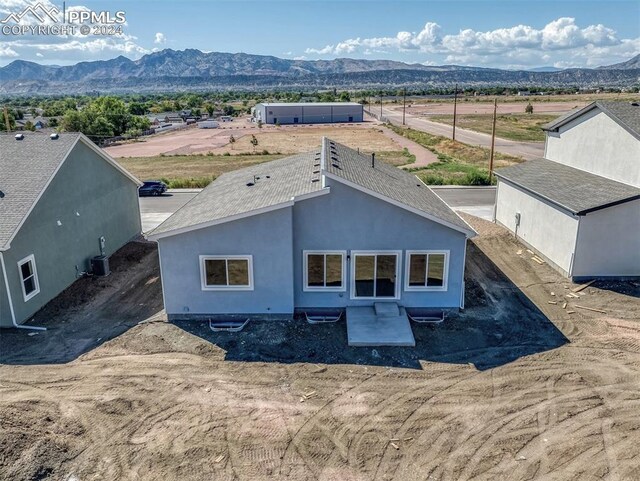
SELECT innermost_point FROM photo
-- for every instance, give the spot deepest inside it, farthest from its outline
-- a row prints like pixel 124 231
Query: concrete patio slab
pixel 364 328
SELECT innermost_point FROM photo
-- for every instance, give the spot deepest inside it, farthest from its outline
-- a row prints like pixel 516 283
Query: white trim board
pixel 203 275
pixel 425 288
pixel 468 232
pixel 30 259
pixel 305 272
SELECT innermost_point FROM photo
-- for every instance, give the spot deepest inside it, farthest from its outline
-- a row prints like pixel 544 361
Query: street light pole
pixel 493 138
pixel 404 103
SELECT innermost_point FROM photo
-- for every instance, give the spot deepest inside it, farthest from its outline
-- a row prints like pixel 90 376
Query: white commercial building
pixel 579 207
pixel 308 112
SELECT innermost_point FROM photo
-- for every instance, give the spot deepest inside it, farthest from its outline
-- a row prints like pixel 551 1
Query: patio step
pixel 387 309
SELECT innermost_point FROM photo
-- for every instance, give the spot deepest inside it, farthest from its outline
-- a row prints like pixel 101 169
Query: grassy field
pixel 537 98
pixel 180 171
pixel 520 127
pixel 198 170
pixel 459 164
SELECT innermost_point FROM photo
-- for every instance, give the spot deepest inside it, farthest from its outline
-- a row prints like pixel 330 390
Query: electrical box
pixel 517 219
pixel 100 266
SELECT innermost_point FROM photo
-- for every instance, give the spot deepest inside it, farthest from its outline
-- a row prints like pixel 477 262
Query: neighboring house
pixel 329 229
pixel 59 195
pixel 579 207
pixel 307 112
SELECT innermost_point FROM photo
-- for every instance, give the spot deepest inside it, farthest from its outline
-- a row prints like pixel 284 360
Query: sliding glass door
pixel 375 275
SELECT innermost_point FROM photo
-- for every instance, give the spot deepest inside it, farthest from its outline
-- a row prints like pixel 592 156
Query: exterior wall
pixel 267 237
pixel 348 219
pixel 609 242
pixel 595 143
pixel 90 198
pixel 542 225
pixel 308 113
pixel 5 312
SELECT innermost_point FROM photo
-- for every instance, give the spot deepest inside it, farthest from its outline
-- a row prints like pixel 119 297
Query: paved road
pixel 526 150
pixel 155 210
pixel 477 201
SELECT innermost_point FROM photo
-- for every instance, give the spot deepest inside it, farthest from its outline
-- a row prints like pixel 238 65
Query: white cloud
pixel 160 38
pixel 38 54
pixel 515 47
pixel 7 52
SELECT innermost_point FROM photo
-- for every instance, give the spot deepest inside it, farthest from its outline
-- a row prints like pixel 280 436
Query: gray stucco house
pixel 579 206
pixel 329 229
pixel 59 195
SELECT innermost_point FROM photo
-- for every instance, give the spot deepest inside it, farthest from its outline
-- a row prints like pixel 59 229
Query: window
pixel 427 270
pixel 324 270
pixel 233 273
pixel 375 275
pixel 28 277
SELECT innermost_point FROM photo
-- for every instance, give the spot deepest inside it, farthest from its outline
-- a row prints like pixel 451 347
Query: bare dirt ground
pixel 287 139
pixel 512 388
pixel 446 108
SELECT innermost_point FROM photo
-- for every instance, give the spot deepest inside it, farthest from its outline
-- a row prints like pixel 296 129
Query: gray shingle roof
pixel 572 189
pixel 229 195
pixel 26 166
pixel 388 181
pixel 624 113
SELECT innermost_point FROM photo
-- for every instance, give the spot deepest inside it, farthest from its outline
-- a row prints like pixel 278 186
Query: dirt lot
pixel 513 388
pixel 287 139
pixel 446 108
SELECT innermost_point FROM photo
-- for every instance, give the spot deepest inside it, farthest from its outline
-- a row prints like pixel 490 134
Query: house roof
pixel 389 182
pixel 626 114
pixel 27 167
pixel 280 182
pixel 573 190
pixel 274 184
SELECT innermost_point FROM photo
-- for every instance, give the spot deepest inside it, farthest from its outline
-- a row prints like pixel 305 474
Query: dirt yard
pixel 446 108
pixel 287 139
pixel 516 387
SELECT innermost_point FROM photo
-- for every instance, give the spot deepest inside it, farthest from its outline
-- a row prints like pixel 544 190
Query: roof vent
pixel 635 104
pixel 373 160
pixel 1 194
pixel 54 136
pixel 19 136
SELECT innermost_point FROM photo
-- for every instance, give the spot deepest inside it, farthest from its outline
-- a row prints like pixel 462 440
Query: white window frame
pixel 445 275
pixel 305 271
pixel 29 259
pixel 203 274
pixel 352 284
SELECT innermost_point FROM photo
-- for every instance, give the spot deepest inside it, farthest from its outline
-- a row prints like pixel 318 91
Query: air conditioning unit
pixel 100 266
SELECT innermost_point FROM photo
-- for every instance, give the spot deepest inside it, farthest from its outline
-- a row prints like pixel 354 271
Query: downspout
pixel 13 314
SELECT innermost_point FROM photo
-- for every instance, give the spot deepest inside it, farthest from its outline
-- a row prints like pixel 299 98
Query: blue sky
pixel 506 34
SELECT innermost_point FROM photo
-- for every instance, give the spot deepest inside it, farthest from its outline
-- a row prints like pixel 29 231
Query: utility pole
pixel 455 106
pixel 380 108
pixel 493 138
pixel 6 119
pixel 404 103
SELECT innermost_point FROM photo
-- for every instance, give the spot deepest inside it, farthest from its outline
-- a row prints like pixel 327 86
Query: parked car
pixel 152 187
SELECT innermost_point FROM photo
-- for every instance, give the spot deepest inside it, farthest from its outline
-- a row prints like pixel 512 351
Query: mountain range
pixel 193 69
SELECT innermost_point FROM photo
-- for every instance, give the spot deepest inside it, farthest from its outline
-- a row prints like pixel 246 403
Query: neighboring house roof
pixel 574 190
pixel 626 114
pixel 282 182
pixel 27 167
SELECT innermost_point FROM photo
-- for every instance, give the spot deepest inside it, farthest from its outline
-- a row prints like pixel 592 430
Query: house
pixel 579 207
pixel 62 201
pixel 332 229
pixel 307 112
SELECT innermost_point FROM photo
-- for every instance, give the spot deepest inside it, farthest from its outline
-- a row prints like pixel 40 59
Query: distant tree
pixel 232 140
pixel 529 108
pixel 259 124
pixel 136 108
pixel 53 122
pixel 228 109
pixel 277 123
pixel 344 96
pixel 28 125
pixel 254 142
pixel 3 123
pixel 210 108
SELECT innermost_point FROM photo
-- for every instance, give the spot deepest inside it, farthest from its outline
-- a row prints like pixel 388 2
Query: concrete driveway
pixel 476 201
